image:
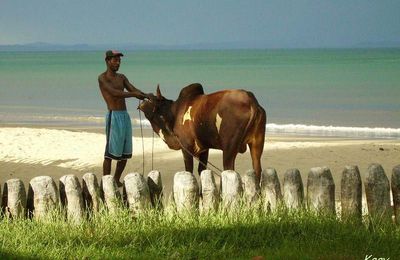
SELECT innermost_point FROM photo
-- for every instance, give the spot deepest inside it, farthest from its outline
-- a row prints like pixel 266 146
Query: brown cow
pixel 227 120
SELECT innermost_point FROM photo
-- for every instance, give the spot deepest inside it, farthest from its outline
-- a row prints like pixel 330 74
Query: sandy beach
pixel 27 152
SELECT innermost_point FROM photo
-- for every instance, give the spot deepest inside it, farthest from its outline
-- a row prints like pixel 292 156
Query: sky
pixel 269 23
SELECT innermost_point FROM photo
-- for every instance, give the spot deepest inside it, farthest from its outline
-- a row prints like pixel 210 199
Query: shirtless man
pixel 118 123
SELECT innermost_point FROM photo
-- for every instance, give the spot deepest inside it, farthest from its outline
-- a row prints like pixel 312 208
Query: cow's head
pixel 158 110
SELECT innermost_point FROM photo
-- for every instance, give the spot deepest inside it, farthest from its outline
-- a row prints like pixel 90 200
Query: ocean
pixel 351 93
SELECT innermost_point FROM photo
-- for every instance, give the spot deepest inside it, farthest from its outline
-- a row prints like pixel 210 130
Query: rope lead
pixel 180 143
pixel 141 132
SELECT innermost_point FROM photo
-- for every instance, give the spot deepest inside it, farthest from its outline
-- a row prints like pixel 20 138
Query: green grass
pixel 163 234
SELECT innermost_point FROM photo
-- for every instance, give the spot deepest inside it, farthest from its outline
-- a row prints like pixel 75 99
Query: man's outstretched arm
pixel 137 93
pixel 114 92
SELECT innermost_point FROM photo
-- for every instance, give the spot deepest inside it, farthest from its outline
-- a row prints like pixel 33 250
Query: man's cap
pixel 113 53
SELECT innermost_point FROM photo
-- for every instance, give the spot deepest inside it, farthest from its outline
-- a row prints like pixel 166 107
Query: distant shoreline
pixel 50 47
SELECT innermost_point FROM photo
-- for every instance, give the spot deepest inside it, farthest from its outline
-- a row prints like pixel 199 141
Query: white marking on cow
pixel 218 121
pixel 187 116
pixel 160 134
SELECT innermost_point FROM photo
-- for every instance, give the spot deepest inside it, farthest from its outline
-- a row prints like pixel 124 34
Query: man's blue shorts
pixel 119 135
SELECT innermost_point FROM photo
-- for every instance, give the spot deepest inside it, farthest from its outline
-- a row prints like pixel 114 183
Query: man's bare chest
pixel 116 83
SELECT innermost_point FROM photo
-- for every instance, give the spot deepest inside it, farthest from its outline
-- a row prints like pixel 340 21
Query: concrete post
pixel 321 190
pixel 377 192
pixel 110 193
pixel 231 189
pixel 91 192
pixel 43 197
pixel 250 188
pixel 396 192
pixel 209 192
pixel 270 189
pixel 351 193
pixel 14 199
pixel 186 192
pixel 136 192
pixel 156 188
pixel 71 197
pixel 293 190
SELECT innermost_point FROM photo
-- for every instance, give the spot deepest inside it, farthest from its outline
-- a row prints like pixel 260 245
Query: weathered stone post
pixel 293 189
pixel 250 188
pixel 136 192
pixel 396 192
pixel 91 192
pixel 377 192
pixel 321 190
pixel 231 189
pixel 110 193
pixel 14 199
pixel 186 192
pixel 270 189
pixel 71 197
pixel 156 188
pixel 351 193
pixel 43 197
pixel 209 192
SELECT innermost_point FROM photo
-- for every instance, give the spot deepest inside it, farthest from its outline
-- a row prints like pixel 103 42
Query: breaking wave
pixel 315 130
pixel 271 128
pixel 334 131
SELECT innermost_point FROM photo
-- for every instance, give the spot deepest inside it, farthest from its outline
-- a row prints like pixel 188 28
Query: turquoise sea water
pixel 354 88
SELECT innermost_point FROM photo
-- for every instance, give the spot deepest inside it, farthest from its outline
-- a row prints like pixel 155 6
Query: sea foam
pixel 334 131
pixel 271 128
pixel 316 130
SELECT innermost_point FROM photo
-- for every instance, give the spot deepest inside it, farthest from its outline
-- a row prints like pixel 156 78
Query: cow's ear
pixel 159 96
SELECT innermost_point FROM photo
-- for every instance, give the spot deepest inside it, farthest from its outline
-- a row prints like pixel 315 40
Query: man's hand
pixel 150 97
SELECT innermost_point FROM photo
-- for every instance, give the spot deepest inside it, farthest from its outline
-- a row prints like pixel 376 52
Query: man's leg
pixel 107 166
pixel 118 171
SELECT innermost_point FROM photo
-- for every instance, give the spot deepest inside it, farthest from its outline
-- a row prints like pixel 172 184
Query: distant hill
pixel 43 46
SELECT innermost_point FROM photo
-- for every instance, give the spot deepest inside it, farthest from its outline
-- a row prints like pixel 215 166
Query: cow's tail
pixel 255 113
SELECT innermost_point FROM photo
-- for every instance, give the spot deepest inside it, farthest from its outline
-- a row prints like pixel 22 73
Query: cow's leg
pixel 256 146
pixel 188 159
pixel 256 150
pixel 229 157
pixel 231 145
pixel 203 158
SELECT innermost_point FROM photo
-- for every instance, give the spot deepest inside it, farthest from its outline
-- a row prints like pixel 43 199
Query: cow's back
pixel 217 118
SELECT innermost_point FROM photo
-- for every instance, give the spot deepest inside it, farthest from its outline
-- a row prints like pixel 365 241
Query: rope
pixel 187 150
pixel 180 143
pixel 152 152
pixel 204 164
pixel 141 132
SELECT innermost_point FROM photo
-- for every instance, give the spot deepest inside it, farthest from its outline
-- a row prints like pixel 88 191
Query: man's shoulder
pixel 120 75
pixel 102 76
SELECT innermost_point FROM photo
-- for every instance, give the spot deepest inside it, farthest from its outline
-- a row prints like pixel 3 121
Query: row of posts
pixel 235 191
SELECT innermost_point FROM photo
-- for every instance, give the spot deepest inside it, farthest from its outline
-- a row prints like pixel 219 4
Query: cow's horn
pixel 158 91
